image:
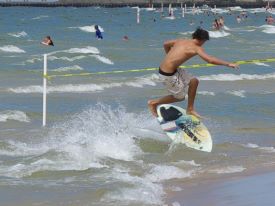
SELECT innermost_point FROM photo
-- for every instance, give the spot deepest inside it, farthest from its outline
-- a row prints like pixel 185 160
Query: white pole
pixel 185 8
pixel 182 12
pixel 215 10
pixel 138 15
pixel 45 91
pixel 169 9
pixel 161 7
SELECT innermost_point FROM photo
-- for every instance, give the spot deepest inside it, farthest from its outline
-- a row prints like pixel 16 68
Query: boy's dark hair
pixel 201 34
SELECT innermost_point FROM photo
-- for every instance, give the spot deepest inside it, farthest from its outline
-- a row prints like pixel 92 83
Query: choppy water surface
pixel 101 145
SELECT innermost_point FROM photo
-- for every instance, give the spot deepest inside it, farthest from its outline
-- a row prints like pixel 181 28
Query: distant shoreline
pixel 132 4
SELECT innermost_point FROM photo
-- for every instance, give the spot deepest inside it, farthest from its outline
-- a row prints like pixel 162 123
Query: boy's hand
pixel 234 66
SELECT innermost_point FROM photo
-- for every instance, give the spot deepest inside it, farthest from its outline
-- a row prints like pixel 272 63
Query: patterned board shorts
pixel 177 84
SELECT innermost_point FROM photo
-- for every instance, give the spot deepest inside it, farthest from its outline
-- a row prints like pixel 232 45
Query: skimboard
pixel 184 128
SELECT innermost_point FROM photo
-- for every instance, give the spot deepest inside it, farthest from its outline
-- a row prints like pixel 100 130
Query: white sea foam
pixel 239 93
pixel 40 17
pixel 236 8
pixel 33 60
pixel 15 148
pixel 188 163
pixel 53 58
pixel 90 28
pixel 255 146
pixel 176 204
pixel 160 173
pixel 70 59
pixel 206 93
pixel 148 9
pixel 269 29
pixel 69 68
pixel 103 59
pixel 228 170
pixel 85 50
pixel 13 115
pixel 257 10
pixel 234 77
pixel 186 33
pixel 142 191
pixel 18 34
pixel 262 64
pixel 218 34
pixel 219 11
pixel 83 88
pixel 81 143
pixel 250 145
pixel 12 49
pixel 170 17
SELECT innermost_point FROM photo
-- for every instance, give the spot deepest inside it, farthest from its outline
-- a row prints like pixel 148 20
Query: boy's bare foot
pixel 194 113
pixel 152 105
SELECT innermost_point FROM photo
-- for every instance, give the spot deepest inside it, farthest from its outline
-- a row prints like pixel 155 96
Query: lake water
pixel 101 145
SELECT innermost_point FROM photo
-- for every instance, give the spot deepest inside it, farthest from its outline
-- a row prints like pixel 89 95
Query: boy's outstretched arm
pixel 214 60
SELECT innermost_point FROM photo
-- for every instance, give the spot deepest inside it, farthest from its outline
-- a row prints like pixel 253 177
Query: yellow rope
pixel 193 66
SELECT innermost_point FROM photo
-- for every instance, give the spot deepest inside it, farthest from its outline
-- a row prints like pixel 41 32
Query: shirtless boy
pixel 177 81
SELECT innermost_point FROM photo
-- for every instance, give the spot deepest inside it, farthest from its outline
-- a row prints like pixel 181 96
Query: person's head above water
pixel 201 35
pixel 96 27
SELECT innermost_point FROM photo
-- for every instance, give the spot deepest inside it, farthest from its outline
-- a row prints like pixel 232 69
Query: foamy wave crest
pixel 148 9
pixel 236 8
pixel 255 146
pixel 257 10
pixel 262 64
pixel 70 68
pixel 164 172
pixel 40 17
pixel 13 115
pixel 142 191
pixel 228 170
pixel 70 59
pixel 16 149
pixel 234 77
pixel 82 88
pixel 103 59
pixel 18 34
pixel 170 17
pixel 89 28
pixel 80 143
pixel 85 50
pixel 269 29
pixel 206 93
pixel 218 34
pixel 188 163
pixel 33 60
pixel 186 33
pixel 12 49
pixel 239 93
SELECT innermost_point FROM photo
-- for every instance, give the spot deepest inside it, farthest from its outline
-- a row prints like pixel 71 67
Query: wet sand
pixel 252 190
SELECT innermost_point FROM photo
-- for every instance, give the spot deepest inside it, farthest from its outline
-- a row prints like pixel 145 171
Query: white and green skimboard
pixel 184 128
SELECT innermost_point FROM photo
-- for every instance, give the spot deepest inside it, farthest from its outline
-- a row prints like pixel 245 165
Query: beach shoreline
pixel 250 187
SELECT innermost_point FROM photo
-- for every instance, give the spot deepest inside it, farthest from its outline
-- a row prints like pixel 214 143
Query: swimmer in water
pixel 47 41
pixel 98 33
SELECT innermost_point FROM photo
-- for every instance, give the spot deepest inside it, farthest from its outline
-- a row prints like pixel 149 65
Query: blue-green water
pixel 101 145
